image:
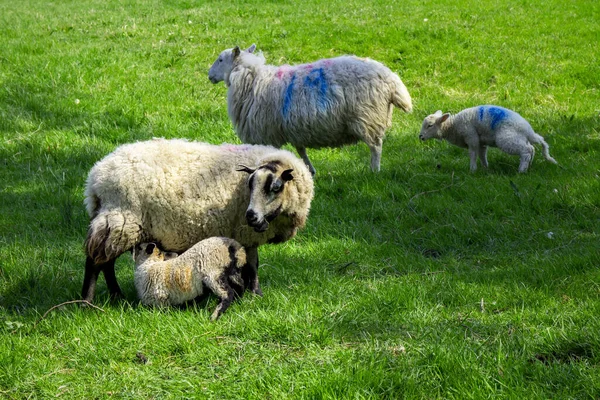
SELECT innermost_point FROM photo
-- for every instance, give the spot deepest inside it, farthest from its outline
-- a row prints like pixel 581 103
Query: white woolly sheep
pixel 176 193
pixel 162 279
pixel 478 127
pixel 327 103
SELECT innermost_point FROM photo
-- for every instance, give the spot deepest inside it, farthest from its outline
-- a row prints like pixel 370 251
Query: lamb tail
pixel 545 147
pixel 401 97
pixel 546 153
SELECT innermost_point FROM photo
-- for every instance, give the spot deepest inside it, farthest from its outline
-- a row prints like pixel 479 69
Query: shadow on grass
pixel 410 211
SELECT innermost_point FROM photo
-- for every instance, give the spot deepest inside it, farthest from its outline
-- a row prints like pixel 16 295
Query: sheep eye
pixel 220 60
pixel 277 187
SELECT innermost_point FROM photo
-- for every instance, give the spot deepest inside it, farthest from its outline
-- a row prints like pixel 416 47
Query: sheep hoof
pixel 258 292
pixel 117 296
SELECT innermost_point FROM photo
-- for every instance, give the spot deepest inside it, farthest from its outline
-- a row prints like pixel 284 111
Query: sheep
pixel 163 278
pixel 326 103
pixel 177 192
pixel 478 127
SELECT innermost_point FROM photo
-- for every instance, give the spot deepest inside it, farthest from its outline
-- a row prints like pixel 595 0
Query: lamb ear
pixel 236 51
pixel 251 48
pixel 442 118
pixel 438 113
pixel 150 248
pixel 286 175
pixel 243 168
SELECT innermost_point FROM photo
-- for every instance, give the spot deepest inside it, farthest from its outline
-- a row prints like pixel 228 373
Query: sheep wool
pixel 326 103
pixel 176 193
pixel 163 279
pixel 479 127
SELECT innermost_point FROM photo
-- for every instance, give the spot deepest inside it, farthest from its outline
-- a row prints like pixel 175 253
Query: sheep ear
pixel 443 118
pixel 150 248
pixel 251 48
pixel 243 168
pixel 286 175
pixel 236 51
pixel 438 113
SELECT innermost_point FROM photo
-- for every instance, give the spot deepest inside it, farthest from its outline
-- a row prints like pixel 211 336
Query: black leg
pixel 251 273
pixel 111 280
pixel 89 280
pixel 91 277
pixel 237 283
pixel 223 305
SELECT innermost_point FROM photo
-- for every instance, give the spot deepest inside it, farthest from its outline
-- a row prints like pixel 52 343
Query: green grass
pixel 380 296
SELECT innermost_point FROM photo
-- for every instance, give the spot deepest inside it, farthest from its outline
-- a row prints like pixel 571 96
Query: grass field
pixel 422 281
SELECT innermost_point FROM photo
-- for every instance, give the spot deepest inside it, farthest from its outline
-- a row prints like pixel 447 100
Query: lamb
pixel 478 127
pixel 163 279
pixel 326 103
pixel 176 193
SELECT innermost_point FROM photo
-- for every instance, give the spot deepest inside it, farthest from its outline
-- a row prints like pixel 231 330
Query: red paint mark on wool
pixel 283 71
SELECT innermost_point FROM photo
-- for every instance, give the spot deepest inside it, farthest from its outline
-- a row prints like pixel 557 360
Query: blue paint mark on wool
pixel 287 98
pixel 316 79
pixel 497 115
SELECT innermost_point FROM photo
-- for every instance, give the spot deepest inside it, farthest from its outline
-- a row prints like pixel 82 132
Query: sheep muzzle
pixel 259 224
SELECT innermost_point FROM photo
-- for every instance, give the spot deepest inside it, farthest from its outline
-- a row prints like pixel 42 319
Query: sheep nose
pixel 259 225
pixel 251 217
pixel 421 137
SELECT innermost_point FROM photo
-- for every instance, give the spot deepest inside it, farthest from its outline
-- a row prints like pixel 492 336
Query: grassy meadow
pixel 422 281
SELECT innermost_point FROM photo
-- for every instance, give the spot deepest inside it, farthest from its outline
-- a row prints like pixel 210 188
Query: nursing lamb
pixel 327 103
pixel 162 279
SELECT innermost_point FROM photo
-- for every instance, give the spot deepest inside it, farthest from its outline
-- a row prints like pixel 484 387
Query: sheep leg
pixel 526 159
pixel 219 285
pixel 302 153
pixel 226 294
pixel 250 271
pixel 223 305
pixel 92 271
pixel 376 156
pixel 89 280
pixel 473 157
pixel 483 155
pixel 110 235
pixel 111 280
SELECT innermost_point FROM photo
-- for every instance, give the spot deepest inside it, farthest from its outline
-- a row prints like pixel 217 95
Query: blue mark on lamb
pixel 316 79
pixel 497 115
pixel 287 98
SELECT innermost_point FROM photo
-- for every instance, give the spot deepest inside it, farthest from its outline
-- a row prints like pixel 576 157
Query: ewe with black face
pixel 176 193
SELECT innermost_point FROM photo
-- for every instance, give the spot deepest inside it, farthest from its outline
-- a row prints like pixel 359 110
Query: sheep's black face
pixel 267 185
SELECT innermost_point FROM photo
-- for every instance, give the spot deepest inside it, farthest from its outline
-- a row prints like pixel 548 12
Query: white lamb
pixel 164 279
pixel 176 193
pixel 478 127
pixel 327 103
